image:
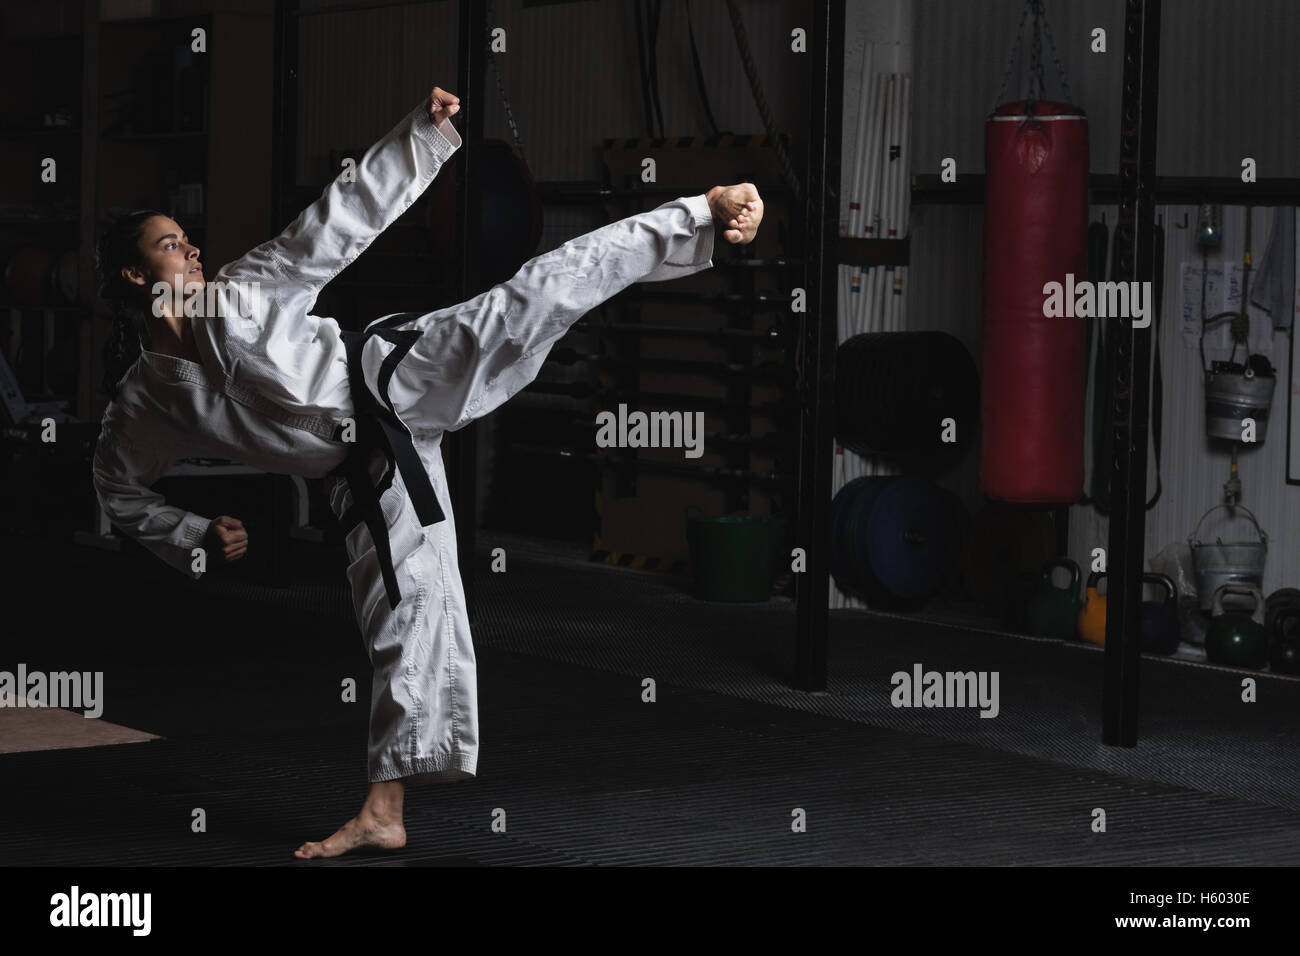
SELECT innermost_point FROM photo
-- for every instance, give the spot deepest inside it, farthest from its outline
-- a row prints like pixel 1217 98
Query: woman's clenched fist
pixel 226 538
pixel 442 105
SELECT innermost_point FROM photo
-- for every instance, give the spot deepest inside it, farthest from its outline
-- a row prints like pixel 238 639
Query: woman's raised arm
pixel 352 211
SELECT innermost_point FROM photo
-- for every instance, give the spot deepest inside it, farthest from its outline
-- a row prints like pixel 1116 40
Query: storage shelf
pixel 1104 188
pixel 853 251
pixel 41 132
pixel 60 307
pixel 150 137
pixel 64 220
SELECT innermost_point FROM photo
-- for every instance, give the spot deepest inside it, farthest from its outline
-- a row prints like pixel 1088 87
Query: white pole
pixel 882 156
pixel 852 328
pixel 879 194
pixel 844 305
pixel 867 312
pixel 887 307
pixel 854 297
pixel 870 313
pixel 872 323
pixel 887 164
pixel 905 159
pixel 873 303
pixel 904 191
pixel 895 101
pixel 902 299
pixel 874 134
pixel 852 301
pixel 860 305
pixel 896 227
pixel 899 200
pixel 855 194
pixel 887 124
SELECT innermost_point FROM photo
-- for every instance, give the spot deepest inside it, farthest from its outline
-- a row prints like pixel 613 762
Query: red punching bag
pixel 1035 232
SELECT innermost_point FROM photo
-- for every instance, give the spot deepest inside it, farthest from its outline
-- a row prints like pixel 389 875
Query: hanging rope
pixel 652 55
pixel 699 72
pixel 769 123
pixel 638 18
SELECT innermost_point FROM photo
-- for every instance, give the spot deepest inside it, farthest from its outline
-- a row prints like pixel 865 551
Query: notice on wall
pixel 1222 284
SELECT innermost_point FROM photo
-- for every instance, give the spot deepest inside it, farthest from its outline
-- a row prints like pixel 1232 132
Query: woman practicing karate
pixel 261 380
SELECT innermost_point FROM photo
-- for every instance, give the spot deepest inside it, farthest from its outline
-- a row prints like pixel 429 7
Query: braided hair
pixel 118 248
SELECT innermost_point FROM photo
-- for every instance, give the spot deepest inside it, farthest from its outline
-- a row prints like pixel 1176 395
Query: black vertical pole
pixel 819 334
pixel 1130 364
pixel 90 333
pixel 473 27
pixel 284 112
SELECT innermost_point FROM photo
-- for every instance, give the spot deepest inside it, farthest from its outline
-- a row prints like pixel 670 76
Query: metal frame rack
pixel 741 332
pixel 1129 358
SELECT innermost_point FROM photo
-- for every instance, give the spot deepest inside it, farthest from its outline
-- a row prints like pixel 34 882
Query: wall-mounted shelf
pixel 873 252
pixel 161 135
pixel 41 132
pixel 1104 188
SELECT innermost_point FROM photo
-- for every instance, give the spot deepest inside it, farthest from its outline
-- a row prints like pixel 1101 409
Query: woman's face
pixel 166 255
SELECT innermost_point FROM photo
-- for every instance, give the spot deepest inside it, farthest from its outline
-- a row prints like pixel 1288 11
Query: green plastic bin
pixel 734 557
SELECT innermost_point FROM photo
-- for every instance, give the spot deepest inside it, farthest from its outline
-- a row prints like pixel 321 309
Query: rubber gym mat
pixel 246 695
pixel 50 728
pixel 587 774
pixel 1195 730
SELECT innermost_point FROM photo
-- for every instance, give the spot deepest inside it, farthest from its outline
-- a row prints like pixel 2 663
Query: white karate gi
pixel 272 391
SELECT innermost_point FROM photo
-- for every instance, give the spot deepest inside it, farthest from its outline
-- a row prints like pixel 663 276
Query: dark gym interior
pixel 962 576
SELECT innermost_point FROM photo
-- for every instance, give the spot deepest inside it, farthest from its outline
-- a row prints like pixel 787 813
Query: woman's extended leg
pixel 472 357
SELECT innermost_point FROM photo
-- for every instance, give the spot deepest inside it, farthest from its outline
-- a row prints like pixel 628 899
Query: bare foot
pixel 360 831
pixel 378 826
pixel 738 209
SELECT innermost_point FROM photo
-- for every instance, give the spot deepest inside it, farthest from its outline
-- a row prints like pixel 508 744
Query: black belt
pixel 378 427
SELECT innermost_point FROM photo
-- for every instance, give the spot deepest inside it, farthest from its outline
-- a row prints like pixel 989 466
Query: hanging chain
pixel 510 116
pixel 1012 57
pixel 1056 56
pixel 1037 87
pixel 1036 57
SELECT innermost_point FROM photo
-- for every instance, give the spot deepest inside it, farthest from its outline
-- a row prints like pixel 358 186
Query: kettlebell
pixel 1275 602
pixel 1284 641
pixel 1092 619
pixel 1160 618
pixel 1235 639
pixel 1052 611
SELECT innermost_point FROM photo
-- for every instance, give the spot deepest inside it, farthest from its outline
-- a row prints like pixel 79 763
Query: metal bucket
pixel 1235 562
pixel 1231 397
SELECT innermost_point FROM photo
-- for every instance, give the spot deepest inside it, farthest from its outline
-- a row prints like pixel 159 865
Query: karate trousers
pixel 469 359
